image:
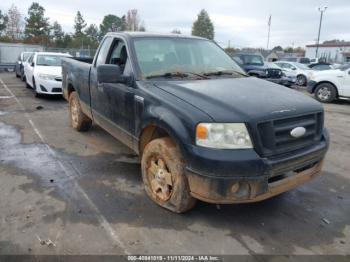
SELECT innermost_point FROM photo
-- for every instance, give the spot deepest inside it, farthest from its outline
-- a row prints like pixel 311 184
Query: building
pixel 336 52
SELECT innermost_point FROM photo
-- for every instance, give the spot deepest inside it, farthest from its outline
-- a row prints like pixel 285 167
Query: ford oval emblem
pixel 298 132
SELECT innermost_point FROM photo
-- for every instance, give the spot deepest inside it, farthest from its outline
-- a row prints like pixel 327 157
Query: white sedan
pixel 302 71
pixel 43 73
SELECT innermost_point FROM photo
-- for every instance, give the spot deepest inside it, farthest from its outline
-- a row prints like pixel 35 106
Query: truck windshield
pixel 252 60
pixel 49 60
pixel 166 55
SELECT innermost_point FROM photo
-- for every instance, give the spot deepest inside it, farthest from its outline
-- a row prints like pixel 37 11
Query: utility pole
pixel 322 10
pixel 268 34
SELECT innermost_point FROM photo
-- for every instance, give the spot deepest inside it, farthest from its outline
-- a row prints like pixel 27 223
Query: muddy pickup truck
pixel 203 129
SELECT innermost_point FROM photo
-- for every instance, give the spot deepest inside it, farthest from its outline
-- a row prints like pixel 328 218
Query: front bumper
pixel 282 81
pixel 49 87
pixel 250 178
pixel 311 86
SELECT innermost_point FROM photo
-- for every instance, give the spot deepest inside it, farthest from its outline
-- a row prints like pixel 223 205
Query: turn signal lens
pixel 201 132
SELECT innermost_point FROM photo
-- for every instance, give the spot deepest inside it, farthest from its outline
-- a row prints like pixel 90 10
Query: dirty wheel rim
pixel 300 80
pixel 160 179
pixel 74 112
pixel 324 93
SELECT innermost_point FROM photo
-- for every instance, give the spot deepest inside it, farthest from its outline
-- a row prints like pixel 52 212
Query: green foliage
pixel 176 31
pixel 110 23
pixel 277 48
pixel 79 25
pixel 92 35
pixel 3 22
pixel 37 25
pixel 203 26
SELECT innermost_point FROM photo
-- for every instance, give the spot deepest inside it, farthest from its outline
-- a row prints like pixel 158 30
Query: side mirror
pixel 32 64
pixel 111 74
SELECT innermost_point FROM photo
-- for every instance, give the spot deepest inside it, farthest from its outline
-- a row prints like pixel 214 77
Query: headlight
pixel 46 77
pixel 224 136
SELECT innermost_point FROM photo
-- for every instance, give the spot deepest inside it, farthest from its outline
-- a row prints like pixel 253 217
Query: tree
pixel 37 25
pixel 3 22
pixel 277 48
pixel 57 34
pixel 133 21
pixel 123 23
pixel 14 23
pixel 110 23
pixel 92 35
pixel 203 26
pixel 79 25
pixel 176 31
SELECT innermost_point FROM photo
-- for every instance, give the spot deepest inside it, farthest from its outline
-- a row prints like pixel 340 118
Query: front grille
pixel 275 135
pixel 274 73
pixel 56 90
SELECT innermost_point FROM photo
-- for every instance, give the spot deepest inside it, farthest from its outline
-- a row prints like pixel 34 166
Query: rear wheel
pixel 325 93
pixel 301 80
pixel 78 119
pixel 163 174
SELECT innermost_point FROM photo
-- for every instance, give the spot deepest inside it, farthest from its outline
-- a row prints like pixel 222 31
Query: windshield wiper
pixel 177 74
pixel 222 72
pixel 168 75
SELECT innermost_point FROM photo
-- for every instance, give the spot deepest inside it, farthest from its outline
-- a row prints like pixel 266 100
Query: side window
pixel 118 55
pixel 103 52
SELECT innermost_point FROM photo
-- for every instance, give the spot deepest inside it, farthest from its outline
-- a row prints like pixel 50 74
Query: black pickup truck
pixel 202 127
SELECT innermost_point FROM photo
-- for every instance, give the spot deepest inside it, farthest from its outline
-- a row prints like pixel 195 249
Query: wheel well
pixel 326 82
pixel 150 133
pixel 70 89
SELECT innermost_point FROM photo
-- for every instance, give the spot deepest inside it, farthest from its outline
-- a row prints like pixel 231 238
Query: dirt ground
pixel 64 192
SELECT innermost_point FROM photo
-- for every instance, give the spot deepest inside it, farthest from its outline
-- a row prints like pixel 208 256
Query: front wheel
pixel 36 94
pixel 325 93
pixel 301 80
pixel 79 120
pixel 163 174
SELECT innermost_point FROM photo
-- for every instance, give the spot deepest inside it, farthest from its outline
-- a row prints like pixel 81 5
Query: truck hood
pixel 332 72
pixel 241 99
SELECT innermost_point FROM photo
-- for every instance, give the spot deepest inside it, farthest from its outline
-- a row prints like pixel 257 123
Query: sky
pixel 237 23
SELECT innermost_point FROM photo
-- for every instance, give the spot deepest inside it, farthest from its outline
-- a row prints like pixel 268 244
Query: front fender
pixel 173 124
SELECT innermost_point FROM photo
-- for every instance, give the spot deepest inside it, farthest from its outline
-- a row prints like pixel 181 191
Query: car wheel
pixel 36 94
pixel 301 80
pixel 23 76
pixel 79 120
pixel 163 174
pixel 27 85
pixel 325 93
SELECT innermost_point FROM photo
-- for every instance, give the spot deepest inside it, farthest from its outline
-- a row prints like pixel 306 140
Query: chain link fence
pixel 9 53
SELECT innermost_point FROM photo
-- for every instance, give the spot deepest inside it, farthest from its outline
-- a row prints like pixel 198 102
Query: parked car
pixel 19 69
pixel 43 73
pixel 254 65
pixel 320 66
pixel 203 128
pixel 301 70
pixel 301 60
pixel 330 85
pixel 289 78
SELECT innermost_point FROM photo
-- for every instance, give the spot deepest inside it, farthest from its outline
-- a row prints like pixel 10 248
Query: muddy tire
pixel 78 119
pixel 325 93
pixel 301 80
pixel 36 94
pixel 163 174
